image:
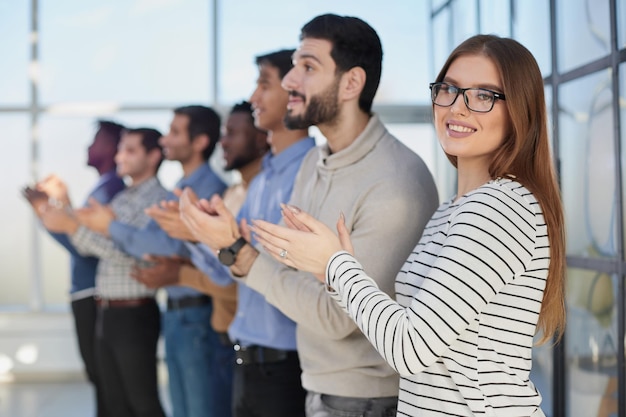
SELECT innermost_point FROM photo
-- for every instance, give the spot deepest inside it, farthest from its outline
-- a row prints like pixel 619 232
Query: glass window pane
pixel 542 375
pixel 17 222
pixel 495 17
pixel 451 26
pixel 583 32
pixel 531 27
pixel 442 40
pixel 131 52
pixel 464 20
pixel 587 155
pixel 402 30
pixel 14 43
pixel 420 138
pixel 591 343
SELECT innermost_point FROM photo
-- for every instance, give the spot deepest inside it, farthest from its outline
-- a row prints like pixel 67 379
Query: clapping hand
pixel 96 216
pixel 208 220
pixel 306 243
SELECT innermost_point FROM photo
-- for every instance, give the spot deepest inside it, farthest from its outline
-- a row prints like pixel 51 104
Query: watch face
pixel 226 256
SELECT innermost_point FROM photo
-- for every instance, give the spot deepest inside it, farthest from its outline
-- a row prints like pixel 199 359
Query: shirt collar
pixel 106 177
pixel 200 172
pixel 287 156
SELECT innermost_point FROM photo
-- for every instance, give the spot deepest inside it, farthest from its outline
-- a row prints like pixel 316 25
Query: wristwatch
pixel 227 256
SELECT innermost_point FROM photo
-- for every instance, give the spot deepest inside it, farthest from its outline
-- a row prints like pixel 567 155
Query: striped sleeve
pixel 489 240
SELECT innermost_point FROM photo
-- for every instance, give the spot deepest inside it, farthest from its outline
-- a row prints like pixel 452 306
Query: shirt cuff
pixel 336 267
pixel 119 231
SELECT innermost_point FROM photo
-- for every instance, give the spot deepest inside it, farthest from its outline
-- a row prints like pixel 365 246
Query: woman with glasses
pixel 488 272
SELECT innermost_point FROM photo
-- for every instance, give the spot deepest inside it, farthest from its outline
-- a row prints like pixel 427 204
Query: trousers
pixel 271 389
pixel 84 312
pixel 200 367
pixel 126 343
pixel 323 405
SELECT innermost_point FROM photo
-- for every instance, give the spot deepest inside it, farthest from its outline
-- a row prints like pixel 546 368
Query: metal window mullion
pixel 621 305
pixel 36 295
pixel 558 352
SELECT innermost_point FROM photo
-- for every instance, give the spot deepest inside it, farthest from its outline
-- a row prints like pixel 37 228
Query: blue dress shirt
pixel 257 322
pixel 153 240
pixel 83 268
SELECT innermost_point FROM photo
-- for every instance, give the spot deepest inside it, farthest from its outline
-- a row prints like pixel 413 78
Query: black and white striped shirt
pixel 461 331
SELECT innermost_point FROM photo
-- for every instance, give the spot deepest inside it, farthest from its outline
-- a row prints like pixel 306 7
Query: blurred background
pixel 66 63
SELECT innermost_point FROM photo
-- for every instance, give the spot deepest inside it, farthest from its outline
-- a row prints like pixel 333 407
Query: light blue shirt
pixel 153 240
pixel 257 322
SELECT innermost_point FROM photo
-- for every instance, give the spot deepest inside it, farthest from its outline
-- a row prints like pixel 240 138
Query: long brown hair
pixel 525 154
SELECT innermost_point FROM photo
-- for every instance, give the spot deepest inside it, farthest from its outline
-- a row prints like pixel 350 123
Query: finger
pixel 220 208
pixel 300 219
pixel 344 234
pixel 245 229
pixel 177 192
pixel 187 200
pixel 276 255
pixel 188 215
pixel 206 206
pixel 288 220
pixel 137 275
pixel 271 234
pixel 93 202
pixel 152 211
pixel 191 195
pixel 154 258
pixel 171 205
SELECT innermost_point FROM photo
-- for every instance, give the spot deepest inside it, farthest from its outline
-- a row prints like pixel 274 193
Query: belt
pixel 184 302
pixel 123 302
pixel 224 339
pixel 247 355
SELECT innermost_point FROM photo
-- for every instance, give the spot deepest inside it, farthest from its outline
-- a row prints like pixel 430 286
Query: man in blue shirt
pixel 267 374
pixel 101 156
pixel 191 345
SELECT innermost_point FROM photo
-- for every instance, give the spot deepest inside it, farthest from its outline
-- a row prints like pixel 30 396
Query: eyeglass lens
pixel 476 99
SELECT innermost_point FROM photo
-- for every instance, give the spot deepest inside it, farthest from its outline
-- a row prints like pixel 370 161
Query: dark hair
pixel 244 107
pixel 113 130
pixel 202 120
pixel 149 140
pixel 354 44
pixel 282 60
pixel 525 154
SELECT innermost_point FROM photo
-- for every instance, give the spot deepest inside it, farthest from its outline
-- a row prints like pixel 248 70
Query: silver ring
pixel 283 253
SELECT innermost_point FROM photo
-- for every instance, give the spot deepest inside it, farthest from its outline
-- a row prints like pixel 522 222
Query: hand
pixel 164 272
pixel 209 221
pixel 96 217
pixel 58 220
pixel 37 199
pixel 167 216
pixel 306 244
pixel 55 188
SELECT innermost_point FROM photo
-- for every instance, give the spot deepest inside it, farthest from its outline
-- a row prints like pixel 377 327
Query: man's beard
pixel 240 161
pixel 322 108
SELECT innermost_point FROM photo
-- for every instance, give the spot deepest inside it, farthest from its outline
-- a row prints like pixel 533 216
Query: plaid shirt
pixel 113 280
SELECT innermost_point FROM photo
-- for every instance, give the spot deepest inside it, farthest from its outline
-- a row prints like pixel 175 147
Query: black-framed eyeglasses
pixel 479 100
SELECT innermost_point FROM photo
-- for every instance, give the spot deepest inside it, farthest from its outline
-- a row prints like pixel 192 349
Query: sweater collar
pixel 362 145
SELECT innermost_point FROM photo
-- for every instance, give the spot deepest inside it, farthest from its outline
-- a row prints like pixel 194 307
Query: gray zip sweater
pixel 387 195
